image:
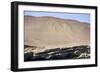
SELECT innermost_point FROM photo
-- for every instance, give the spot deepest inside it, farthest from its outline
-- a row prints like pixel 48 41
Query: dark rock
pixel 77 52
pixel 28 56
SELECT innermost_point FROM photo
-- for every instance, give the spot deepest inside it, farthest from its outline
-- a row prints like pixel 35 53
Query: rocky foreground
pixel 76 52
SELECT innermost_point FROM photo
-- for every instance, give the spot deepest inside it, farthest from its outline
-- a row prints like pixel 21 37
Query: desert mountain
pixel 51 32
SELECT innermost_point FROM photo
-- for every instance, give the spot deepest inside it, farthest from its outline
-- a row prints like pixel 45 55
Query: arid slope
pixel 51 32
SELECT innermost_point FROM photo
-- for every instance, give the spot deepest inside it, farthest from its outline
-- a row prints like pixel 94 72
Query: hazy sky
pixel 76 16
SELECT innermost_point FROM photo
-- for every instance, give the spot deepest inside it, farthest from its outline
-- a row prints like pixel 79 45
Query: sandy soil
pixel 50 32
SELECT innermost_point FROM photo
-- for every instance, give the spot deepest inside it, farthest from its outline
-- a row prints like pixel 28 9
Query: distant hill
pixel 51 32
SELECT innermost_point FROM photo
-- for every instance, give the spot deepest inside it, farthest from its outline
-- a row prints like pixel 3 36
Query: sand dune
pixel 52 32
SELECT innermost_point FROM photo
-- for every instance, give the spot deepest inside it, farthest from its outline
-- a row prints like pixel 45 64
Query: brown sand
pixel 51 32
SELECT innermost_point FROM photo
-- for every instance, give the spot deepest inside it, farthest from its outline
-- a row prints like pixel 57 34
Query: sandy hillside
pixel 51 32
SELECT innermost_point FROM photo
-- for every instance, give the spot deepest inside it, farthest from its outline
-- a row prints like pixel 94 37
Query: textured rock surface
pixel 77 52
